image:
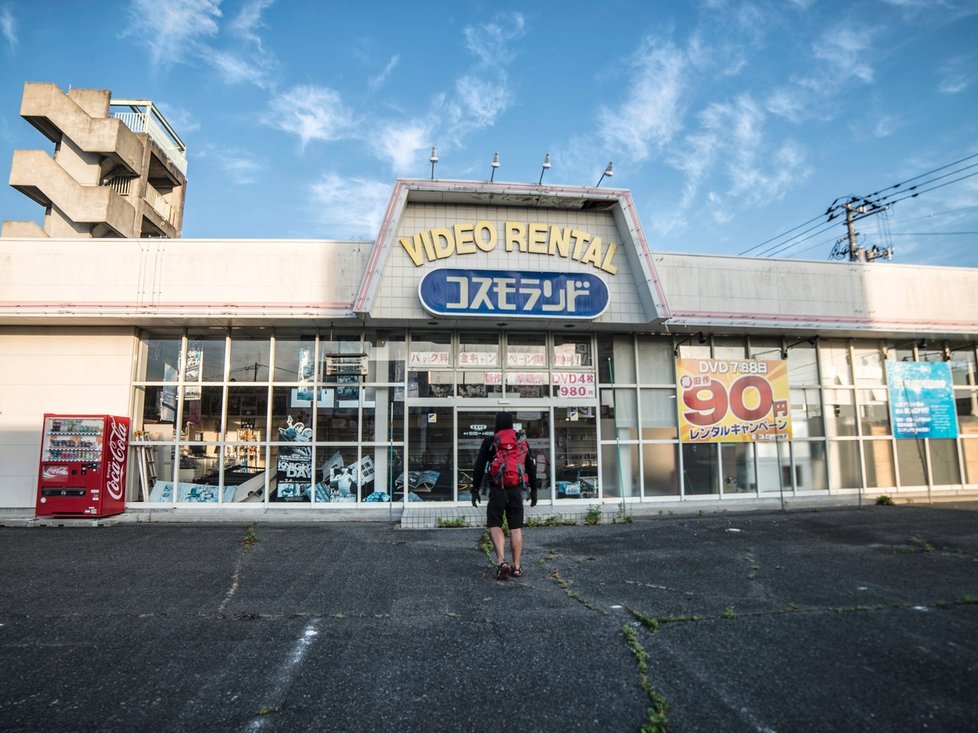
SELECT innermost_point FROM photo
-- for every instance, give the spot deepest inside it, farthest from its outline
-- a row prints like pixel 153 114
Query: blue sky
pixel 730 122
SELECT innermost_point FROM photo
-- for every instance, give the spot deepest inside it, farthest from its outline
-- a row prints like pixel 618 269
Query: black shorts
pixel 508 502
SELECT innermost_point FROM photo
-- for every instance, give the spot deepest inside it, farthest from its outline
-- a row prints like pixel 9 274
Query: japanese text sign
pixel 732 400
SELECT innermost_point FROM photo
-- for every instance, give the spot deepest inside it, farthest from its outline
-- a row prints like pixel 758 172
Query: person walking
pixel 505 458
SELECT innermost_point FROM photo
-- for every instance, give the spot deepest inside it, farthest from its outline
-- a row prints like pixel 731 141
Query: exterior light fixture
pixel 546 165
pixel 608 173
pixel 495 165
pixel 433 159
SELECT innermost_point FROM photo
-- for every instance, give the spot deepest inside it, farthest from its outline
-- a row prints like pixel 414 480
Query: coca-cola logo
pixel 55 473
pixel 118 433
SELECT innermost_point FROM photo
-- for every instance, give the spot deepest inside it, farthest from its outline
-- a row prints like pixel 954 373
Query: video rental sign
pixel 732 400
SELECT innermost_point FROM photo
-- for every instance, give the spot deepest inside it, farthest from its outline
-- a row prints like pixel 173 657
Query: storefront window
pixel 806 413
pixel 658 414
pixel 844 460
pixel 969 449
pixel 963 366
pixel 619 470
pixel 840 412
pixel 291 464
pixel 803 365
pixel 572 352
pixel 527 384
pixel 205 358
pixel 479 351
pixel 619 414
pixel 656 361
pixel 966 402
pixel 338 424
pixel 249 360
pixel 660 469
pixel 810 466
pixel 700 468
pixel 874 411
pixel 295 359
pixel 526 350
pixel 430 351
pixel 737 465
pixel 867 362
pixel 479 384
pixel 910 459
pixel 575 464
pixel 160 358
pixel 202 413
pixel 431 450
pixel 616 360
pixel 834 363
pixel 878 459
pixel 387 353
pixel 156 411
pixel 430 383
pixel 773 467
pixel 944 462
pixel 247 413
pixel 728 348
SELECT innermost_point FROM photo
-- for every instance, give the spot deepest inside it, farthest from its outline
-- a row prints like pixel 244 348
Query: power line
pixel 860 207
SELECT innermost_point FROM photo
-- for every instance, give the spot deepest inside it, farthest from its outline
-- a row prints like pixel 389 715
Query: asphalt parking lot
pixel 842 619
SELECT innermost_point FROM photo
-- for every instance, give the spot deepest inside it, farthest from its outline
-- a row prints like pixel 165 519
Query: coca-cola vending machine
pixel 83 466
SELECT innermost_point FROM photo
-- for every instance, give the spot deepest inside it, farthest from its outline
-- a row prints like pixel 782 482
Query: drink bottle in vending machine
pixel 83 466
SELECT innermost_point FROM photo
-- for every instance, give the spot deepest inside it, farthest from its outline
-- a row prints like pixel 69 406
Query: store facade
pixel 309 375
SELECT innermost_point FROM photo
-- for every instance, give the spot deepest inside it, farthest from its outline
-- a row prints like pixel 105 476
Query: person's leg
pixel 516 543
pixel 499 542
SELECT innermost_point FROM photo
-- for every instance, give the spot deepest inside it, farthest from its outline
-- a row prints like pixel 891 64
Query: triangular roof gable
pixel 617 201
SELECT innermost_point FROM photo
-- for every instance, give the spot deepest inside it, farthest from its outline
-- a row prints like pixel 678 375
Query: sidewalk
pixel 836 619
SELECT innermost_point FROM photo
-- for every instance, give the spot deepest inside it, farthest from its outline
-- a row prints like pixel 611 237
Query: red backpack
pixel 508 465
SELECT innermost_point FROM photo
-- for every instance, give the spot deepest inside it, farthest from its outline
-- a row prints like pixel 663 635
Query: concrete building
pixel 313 375
pixel 118 168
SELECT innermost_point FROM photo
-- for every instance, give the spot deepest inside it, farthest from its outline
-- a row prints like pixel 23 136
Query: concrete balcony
pixel 35 174
pixel 55 113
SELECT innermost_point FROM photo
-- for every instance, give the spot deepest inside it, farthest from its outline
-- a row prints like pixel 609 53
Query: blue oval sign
pixel 448 292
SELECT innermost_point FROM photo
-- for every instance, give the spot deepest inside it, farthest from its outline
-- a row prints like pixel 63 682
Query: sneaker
pixel 502 572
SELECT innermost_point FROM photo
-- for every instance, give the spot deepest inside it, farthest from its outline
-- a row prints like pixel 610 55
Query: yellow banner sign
pixel 732 400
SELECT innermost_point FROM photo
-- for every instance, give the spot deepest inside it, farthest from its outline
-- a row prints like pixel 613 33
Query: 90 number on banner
pixel 749 398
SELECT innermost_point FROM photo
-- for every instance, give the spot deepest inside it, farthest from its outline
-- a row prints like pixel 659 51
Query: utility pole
pixel 846 247
pixel 853 250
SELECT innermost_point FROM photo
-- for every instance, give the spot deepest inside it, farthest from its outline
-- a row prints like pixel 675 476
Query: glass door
pixel 474 425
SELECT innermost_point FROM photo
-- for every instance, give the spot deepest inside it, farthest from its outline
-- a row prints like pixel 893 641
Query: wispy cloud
pixel 845 51
pixel 173 29
pixel 652 112
pixel 241 171
pixel 311 113
pixel 350 207
pixel 401 144
pixel 234 69
pixel 378 81
pixel 492 42
pixel 8 26
pixel 480 96
pixel 956 75
pixel 248 21
pixel 186 32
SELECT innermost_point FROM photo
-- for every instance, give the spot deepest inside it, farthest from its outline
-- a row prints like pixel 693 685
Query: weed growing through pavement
pixel 657 721
pixel 623 517
pixel 454 522
pixel 728 613
pixel 552 521
pixel 884 500
pixel 556 577
pixel 250 539
pixel 593 515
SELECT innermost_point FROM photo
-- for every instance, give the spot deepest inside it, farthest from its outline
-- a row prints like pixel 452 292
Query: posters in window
pixel 921 399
